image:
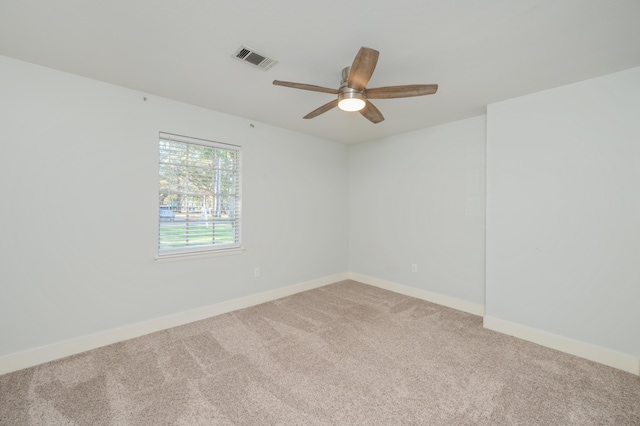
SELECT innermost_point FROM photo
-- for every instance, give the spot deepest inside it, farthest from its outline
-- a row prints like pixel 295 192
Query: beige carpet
pixel 344 354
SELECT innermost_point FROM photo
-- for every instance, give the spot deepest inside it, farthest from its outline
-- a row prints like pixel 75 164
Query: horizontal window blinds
pixel 199 195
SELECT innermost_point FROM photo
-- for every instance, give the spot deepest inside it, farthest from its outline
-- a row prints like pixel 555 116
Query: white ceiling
pixel 478 51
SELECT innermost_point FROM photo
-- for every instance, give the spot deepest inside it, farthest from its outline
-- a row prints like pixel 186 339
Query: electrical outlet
pixel 256 272
pixel 414 267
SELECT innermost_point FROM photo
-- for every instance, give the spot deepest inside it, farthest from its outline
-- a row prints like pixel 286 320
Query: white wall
pixel 563 212
pixel 418 198
pixel 78 184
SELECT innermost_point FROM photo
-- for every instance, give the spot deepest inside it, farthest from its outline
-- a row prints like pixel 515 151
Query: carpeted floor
pixel 344 354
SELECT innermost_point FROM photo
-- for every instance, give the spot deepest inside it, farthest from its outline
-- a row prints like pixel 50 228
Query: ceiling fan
pixel 353 94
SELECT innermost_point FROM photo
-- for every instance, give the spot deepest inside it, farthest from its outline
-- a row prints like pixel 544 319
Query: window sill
pixel 198 255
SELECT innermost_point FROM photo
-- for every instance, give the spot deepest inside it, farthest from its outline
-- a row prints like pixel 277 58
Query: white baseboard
pixel 440 299
pixel 588 351
pixel 32 357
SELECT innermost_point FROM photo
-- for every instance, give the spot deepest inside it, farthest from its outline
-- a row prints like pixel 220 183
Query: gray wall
pixel 78 174
pixel 418 199
pixel 563 211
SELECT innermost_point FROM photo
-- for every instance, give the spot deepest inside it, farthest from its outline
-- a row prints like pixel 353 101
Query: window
pixel 199 196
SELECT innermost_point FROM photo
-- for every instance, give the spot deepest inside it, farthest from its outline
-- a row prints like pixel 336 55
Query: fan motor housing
pixel 350 99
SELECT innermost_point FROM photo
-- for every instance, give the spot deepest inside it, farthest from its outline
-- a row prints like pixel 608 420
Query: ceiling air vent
pixel 254 58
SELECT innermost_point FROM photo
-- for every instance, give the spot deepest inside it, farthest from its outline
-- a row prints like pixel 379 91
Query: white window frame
pixel 197 222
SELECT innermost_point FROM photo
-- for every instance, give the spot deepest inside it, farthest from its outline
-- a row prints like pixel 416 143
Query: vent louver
pixel 254 58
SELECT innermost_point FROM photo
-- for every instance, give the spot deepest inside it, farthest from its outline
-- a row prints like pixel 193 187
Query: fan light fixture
pixel 353 94
pixel 351 101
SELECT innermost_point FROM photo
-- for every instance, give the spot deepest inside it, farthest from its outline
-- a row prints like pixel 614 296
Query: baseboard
pixel 32 357
pixel 588 351
pixel 440 299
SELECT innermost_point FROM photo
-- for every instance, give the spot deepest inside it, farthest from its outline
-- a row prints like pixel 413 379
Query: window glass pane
pixel 224 182
pixel 172 177
pixel 172 152
pixel 199 196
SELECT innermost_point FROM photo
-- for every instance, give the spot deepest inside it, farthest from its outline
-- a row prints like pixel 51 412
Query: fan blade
pixel 401 91
pixel 306 87
pixel 324 108
pixel 362 68
pixel 371 113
